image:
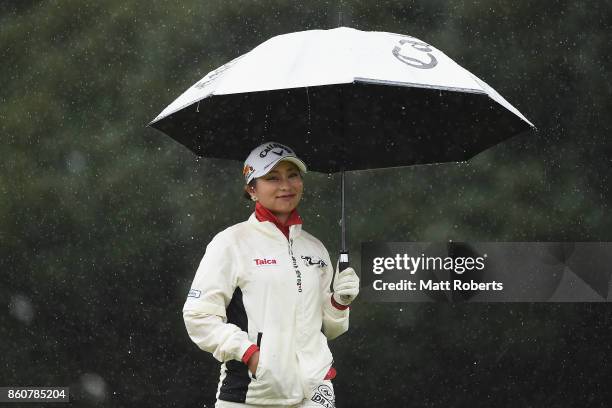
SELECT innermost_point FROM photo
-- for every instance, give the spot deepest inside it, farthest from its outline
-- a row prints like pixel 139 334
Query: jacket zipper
pixel 298 274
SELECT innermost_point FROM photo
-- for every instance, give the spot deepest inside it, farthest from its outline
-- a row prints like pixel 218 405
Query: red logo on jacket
pixel 264 261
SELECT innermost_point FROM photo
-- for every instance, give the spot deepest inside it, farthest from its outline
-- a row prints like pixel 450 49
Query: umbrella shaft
pixel 344 258
pixel 342 219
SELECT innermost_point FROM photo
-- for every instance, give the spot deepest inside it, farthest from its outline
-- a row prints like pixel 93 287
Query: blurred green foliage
pixel 103 221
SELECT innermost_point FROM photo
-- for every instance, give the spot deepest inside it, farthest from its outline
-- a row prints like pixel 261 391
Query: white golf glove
pixel 346 286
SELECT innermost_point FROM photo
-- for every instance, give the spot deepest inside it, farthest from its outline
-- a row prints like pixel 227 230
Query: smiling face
pixel 280 191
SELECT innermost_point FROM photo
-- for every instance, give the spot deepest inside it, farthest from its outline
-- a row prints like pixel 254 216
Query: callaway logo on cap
pixel 264 157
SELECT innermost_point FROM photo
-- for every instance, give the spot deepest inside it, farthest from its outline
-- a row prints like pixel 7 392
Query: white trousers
pixel 322 398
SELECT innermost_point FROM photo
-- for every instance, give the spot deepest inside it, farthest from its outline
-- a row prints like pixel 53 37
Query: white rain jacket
pixel 253 286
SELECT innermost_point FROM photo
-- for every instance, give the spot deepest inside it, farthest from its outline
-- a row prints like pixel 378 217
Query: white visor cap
pixel 264 157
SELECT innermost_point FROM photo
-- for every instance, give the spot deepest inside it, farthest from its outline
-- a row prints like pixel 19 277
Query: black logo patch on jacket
pixel 313 260
pixel 324 395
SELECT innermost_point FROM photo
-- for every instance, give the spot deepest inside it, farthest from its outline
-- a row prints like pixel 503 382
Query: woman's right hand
pixel 254 362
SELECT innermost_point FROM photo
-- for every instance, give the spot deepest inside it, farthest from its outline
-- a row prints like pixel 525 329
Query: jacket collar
pixel 266 222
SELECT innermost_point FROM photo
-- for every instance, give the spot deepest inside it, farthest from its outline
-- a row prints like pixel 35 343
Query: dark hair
pixel 251 184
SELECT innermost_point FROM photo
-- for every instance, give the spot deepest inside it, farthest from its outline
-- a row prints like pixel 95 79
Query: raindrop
pixel 75 161
pixel 266 119
pixel 94 386
pixel 21 308
pixel 308 100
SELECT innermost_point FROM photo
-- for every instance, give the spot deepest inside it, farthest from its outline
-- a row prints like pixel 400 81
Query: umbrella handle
pixel 342 265
pixel 344 261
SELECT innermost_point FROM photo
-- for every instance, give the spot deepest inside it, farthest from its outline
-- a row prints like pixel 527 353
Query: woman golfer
pixel 261 301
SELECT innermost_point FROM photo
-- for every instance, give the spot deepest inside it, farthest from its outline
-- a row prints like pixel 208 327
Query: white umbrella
pixel 345 100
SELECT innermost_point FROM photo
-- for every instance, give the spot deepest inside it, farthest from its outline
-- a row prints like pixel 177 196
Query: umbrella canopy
pixel 345 100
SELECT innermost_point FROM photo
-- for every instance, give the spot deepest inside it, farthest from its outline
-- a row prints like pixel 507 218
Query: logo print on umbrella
pixel 216 73
pixel 414 62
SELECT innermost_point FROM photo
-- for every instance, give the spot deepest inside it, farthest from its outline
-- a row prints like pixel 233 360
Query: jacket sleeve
pixel 335 319
pixel 204 311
